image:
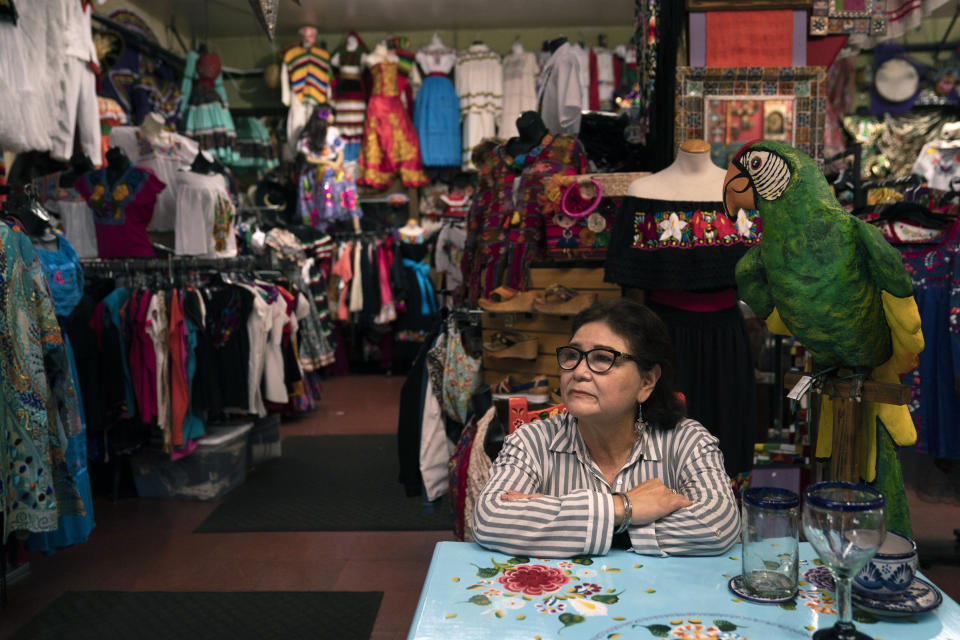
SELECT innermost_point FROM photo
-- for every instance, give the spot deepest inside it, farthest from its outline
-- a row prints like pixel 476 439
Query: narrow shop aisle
pixel 149 545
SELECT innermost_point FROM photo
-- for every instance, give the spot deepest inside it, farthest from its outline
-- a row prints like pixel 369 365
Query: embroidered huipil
pixel 122 210
pixel 479 84
pixel 500 245
pixel 205 216
pixel 660 244
pixel 39 403
pixel 164 157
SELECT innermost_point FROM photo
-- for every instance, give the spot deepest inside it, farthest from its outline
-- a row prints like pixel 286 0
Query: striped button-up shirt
pixel 576 514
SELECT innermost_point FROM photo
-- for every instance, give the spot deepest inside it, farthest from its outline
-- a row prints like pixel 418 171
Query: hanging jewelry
pixel 639 424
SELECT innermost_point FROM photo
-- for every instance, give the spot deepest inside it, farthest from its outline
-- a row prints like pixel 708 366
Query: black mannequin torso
pixel 532 130
pixel 117 164
pixel 556 43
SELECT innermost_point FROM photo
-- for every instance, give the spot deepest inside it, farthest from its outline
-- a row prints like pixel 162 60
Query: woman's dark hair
pixel 315 131
pixel 649 342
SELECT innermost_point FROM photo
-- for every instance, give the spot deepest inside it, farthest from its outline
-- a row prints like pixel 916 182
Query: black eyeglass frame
pixel 617 355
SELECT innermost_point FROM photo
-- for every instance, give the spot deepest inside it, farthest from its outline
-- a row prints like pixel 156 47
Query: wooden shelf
pixel 552 331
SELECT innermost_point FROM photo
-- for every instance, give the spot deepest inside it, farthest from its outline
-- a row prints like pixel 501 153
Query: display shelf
pixel 551 330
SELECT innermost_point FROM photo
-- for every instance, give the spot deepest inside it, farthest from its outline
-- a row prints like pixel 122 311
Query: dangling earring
pixel 639 423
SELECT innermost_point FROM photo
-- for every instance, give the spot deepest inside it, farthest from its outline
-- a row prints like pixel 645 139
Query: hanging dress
pixel 207 119
pixel 436 112
pixel 349 99
pixel 65 278
pixel 390 144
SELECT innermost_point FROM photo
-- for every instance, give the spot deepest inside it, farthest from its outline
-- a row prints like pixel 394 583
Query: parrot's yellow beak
pixel 738 191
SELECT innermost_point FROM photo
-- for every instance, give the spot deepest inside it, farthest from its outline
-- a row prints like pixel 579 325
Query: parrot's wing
pixel 752 282
pixel 753 289
pixel 883 261
pixel 906 337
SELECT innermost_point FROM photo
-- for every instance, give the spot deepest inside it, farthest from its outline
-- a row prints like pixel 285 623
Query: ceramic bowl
pixel 891 570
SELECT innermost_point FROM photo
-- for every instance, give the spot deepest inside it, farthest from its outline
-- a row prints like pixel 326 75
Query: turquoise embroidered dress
pixel 38 404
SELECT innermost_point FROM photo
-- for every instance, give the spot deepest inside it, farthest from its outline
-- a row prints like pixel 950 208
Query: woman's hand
pixel 652 500
pixel 510 495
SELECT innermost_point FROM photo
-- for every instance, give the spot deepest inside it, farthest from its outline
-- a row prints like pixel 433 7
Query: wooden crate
pixel 552 331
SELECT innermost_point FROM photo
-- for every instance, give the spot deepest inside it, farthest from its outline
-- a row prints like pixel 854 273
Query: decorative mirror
pixel 832 17
pixel 729 107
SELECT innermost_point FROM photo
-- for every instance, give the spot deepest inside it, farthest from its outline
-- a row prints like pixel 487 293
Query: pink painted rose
pixel 533 579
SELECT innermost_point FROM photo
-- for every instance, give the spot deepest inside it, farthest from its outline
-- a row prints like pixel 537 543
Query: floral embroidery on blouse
pixel 147 148
pixel 222 216
pixel 697 228
pixel 110 209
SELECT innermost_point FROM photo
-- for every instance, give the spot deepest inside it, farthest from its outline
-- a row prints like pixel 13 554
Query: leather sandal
pixel 510 344
pixel 505 299
pixel 559 300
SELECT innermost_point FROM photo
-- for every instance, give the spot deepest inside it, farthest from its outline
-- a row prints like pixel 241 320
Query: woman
pixel 622 465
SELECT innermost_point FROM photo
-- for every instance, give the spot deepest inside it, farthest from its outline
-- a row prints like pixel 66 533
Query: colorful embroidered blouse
pixel 38 401
pixel 122 211
pixel 505 227
pixel 658 244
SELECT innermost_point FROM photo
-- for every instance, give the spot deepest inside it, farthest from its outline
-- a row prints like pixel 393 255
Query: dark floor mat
pixel 326 483
pixel 144 615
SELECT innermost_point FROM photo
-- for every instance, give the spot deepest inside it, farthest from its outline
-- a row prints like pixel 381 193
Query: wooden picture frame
pixel 746 5
pixel 728 107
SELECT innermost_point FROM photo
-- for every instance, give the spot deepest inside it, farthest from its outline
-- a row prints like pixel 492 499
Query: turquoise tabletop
pixel 471 593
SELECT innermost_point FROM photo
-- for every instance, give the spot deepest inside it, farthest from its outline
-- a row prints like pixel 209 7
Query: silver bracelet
pixel 627 513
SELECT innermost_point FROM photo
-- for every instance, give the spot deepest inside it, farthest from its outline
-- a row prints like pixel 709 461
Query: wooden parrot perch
pixel 846 443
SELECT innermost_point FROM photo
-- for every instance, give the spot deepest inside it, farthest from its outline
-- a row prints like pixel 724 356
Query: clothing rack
pixel 170 264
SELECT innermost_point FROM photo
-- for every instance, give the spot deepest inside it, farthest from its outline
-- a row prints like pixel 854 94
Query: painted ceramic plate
pixel 740 590
pixel 920 597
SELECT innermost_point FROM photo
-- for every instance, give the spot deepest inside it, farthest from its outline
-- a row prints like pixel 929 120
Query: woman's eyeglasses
pixel 599 359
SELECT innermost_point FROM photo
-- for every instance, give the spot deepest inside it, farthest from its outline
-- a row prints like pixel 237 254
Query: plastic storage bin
pixel 264 440
pixel 217 466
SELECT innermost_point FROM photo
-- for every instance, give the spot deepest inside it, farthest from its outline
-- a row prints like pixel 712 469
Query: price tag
pixel 800 388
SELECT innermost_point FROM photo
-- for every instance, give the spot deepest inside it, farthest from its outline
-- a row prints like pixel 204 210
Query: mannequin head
pixel 308 35
pixel 152 126
pixel 117 160
pixel 352 42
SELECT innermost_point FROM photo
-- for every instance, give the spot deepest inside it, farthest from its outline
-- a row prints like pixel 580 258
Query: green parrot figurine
pixel 829 279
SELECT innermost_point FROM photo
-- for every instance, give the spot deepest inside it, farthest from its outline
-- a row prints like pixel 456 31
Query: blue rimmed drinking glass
pixel 845 524
pixel 771 523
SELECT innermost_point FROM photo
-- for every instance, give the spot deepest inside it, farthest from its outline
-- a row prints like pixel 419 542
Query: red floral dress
pixel 390 143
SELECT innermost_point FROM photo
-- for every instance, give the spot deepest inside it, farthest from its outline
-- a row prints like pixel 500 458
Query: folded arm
pixel 577 523
pixel 711 525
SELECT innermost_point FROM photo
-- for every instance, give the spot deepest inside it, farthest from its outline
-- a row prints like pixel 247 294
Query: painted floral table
pixel 471 592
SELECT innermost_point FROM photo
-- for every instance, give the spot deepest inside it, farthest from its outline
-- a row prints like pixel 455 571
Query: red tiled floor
pixel 150 545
